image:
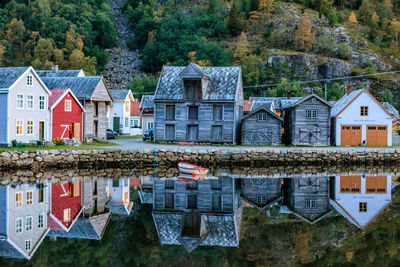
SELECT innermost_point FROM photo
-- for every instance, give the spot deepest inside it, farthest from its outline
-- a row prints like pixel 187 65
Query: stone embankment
pixel 115 158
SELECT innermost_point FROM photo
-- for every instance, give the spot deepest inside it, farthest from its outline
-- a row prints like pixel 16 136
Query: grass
pixel 93 145
pixel 138 136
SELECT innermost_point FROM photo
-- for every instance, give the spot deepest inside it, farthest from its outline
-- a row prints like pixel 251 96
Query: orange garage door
pixel 376 135
pixel 350 135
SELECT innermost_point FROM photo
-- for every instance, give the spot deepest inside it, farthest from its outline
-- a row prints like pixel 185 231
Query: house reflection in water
pixel 119 196
pixel 261 192
pixel 360 199
pixel 146 189
pixel 23 219
pixel 204 213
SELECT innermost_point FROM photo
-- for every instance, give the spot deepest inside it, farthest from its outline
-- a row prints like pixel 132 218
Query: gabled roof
pixel 60 73
pixel 392 110
pixel 309 97
pixel 135 111
pixel 8 76
pixel 58 94
pixel 347 99
pixel 120 208
pixel 223 83
pixel 279 102
pixel 82 87
pixel 266 107
pixel 193 71
pixel 55 224
pixel 147 102
pixel 267 104
pixel 119 94
pixel 247 105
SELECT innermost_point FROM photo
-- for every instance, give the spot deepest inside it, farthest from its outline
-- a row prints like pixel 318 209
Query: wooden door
pixel 350 135
pixel 77 131
pixel 376 135
pixel 350 184
pixel 41 130
pixel 192 132
pixel 376 184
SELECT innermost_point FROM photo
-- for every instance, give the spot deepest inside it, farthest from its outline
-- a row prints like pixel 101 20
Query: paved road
pixel 138 144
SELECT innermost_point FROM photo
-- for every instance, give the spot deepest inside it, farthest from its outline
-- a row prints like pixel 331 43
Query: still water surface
pixel 228 219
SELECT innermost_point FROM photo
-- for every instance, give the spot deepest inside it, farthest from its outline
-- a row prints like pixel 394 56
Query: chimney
pixel 349 89
pixel 54 68
pixel 289 95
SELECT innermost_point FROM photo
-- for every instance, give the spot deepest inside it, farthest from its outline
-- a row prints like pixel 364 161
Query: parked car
pixel 111 134
pixel 148 135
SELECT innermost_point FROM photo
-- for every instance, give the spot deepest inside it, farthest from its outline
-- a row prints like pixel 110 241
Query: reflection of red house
pixel 66 115
pixel 66 204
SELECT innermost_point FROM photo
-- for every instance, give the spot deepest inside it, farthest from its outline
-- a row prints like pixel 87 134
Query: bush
pixel 333 17
pixel 343 51
pixel 14 143
pixel 58 142
pixel 325 44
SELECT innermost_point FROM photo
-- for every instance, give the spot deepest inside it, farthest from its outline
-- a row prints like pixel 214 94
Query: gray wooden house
pixel 307 122
pixel 262 126
pixel 204 213
pixel 260 192
pixel 308 198
pixel 199 104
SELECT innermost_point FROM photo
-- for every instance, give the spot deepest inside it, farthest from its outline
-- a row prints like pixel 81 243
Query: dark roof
pixel 312 96
pixel 119 208
pixel 82 87
pixel 147 101
pixel 223 83
pixel 119 94
pixel 267 107
pixel 58 73
pixel 259 104
pixel 9 75
pixel 9 251
pixel 279 102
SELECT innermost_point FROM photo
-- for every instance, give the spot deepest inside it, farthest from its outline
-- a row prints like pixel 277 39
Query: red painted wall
pixel 61 117
pixel 59 203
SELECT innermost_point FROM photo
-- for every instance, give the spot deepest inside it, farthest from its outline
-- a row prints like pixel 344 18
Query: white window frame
pixel 30 101
pixel 262 116
pixel 42 99
pixel 19 204
pixel 70 105
pixel 29 191
pixel 311 204
pixel 311 113
pixel 21 227
pixel 126 122
pixel 41 221
pixel 27 127
pixel 22 101
pixel 30 219
pixel 22 127
pixel 29 80
pixel 28 241
pixel 68 213
pixel 150 124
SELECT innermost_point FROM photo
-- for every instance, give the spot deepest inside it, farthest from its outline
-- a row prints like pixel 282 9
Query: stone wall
pixel 208 158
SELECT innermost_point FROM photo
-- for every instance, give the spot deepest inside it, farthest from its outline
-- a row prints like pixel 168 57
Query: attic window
pixel 29 80
pixel 262 116
pixel 192 89
pixel 312 113
pixel 311 204
pixel 364 111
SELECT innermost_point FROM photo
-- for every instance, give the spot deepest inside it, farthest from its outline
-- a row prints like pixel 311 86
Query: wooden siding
pixel 264 189
pixel 90 118
pixel 3 118
pixel 255 132
pixel 310 131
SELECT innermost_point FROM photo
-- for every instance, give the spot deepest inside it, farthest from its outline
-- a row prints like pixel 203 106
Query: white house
pixel 360 199
pixel 147 112
pixel 136 125
pixel 120 112
pixel 24 113
pixel 23 219
pixel 359 119
pixel 119 195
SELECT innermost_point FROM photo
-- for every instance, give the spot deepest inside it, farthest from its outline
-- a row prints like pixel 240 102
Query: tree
pixel 374 18
pixel 234 20
pixel 395 29
pixel 286 89
pixel 42 53
pixel 252 70
pixel 336 91
pixel 58 56
pixel 304 38
pixel 387 97
pixel 16 32
pixel 242 48
pixel 265 4
pixel 385 9
pixel 2 51
pixel 353 18
pixel 141 85
pixel 76 59
pixel 366 10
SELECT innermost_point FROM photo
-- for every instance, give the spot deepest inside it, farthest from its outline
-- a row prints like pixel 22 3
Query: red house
pixel 66 115
pixel 66 205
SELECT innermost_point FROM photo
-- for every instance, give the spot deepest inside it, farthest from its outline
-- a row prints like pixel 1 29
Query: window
pixel 29 127
pixel 169 184
pixel 29 80
pixel 262 116
pixel 261 199
pixel 216 184
pixel 169 201
pixel 76 189
pixel 20 101
pixel 136 123
pixel 115 183
pixel 20 125
pixel 150 124
pixel 18 225
pixel 192 89
pixel 217 112
pixel 170 112
pixel 193 112
pixel 362 206
pixel 18 199
pixel 216 202
pixel 28 244
pixel 30 102
pixel 216 133
pixel 68 105
pixel 96 109
pixel 41 102
pixel 41 221
pixel 311 204
pixel 67 215
pixel 28 223
pixel 29 198
pixel 192 201
pixel 126 122
pixel 170 132
pixel 364 111
pixel 126 106
pixel 41 193
pixel 312 113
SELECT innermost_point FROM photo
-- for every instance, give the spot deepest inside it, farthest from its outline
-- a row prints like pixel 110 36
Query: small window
pixel 41 193
pixel 126 122
pixel 115 183
pixel 29 198
pixel 20 125
pixel 67 215
pixel 193 112
pixel 217 112
pixel 312 113
pixel 150 124
pixel 170 112
pixel 41 221
pixel 41 102
pixel 29 80
pixel 362 206
pixel 29 127
pixel 169 201
pixel 262 116
pixel 311 204
pixel 216 202
pixel 364 111
pixel 28 223
pixel 192 89
pixel 18 225
pixel 30 102
pixel 20 101
pixel 169 184
pixel 28 244
pixel 192 201
pixel 18 199
pixel 68 105
pixel 136 123
pixel 126 106
pixel 262 199
pixel 216 184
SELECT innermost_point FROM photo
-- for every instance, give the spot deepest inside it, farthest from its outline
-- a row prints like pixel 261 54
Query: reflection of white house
pixel 23 219
pixel 118 193
pixel 120 112
pixel 146 189
pixel 360 199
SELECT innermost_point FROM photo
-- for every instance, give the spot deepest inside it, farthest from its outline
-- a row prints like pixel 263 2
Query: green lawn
pixel 139 136
pixel 88 146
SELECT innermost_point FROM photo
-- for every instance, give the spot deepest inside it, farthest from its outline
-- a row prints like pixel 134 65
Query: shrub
pixel 333 17
pixel 58 142
pixel 325 44
pixel 343 51
pixel 14 143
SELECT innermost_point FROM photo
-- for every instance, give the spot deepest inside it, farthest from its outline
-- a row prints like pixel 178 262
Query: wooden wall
pixel 255 132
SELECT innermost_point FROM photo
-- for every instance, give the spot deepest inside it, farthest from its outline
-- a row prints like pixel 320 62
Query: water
pixel 245 217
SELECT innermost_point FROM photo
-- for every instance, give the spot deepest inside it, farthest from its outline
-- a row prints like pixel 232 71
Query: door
pixel 96 128
pixel 376 184
pixel 116 124
pixel 77 131
pixel 192 132
pixel 41 130
pixel 376 135
pixel 350 184
pixel 350 135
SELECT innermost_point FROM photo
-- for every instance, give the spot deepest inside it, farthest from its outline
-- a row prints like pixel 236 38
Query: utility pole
pixel 326 91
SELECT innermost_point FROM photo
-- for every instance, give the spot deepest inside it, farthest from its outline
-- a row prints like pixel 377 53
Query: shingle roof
pixel 279 102
pixel 147 101
pixel 344 101
pixel 263 106
pixel 247 105
pixel 259 104
pixel 309 97
pixel 82 87
pixel 120 209
pixel 9 251
pixel 135 111
pixel 222 86
pixel 392 110
pixel 9 75
pixel 55 95
pixel 58 73
pixel 119 94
